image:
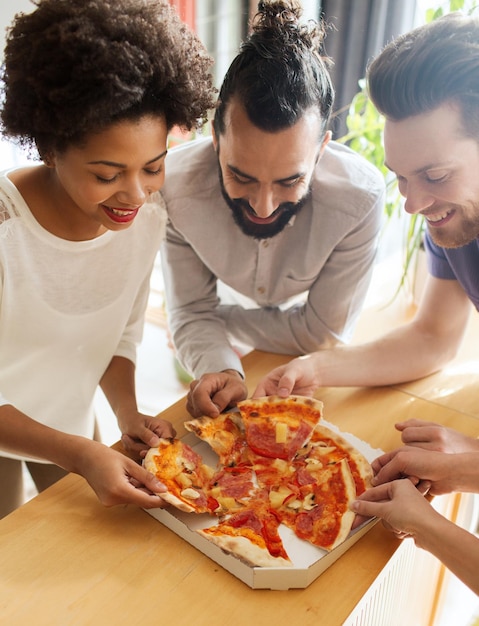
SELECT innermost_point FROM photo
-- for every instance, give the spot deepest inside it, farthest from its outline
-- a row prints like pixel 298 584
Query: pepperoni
pixel 235 482
pixel 306 521
pixel 263 523
pixel 303 477
pixel 189 454
pixel 248 519
pixel 261 438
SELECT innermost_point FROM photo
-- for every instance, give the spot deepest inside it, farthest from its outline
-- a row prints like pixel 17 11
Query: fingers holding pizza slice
pixel 183 473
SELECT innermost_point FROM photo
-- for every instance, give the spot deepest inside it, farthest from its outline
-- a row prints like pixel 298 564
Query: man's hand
pixel 213 393
pixel 296 377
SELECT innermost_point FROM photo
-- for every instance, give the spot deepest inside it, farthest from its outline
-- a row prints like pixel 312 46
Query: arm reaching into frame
pixel 114 477
pixel 407 513
pixel 408 352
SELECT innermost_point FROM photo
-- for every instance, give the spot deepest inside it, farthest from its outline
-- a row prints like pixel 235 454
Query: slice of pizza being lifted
pixel 279 427
pixel 184 474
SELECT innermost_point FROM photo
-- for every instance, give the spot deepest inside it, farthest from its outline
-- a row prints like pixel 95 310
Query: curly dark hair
pixel 427 67
pixel 73 67
pixel 280 71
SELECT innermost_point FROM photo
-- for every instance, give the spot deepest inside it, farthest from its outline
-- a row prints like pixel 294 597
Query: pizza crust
pixel 169 498
pixel 348 516
pixel 243 549
pixel 310 407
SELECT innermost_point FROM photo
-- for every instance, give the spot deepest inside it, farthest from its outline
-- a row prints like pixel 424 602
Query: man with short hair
pixel 426 83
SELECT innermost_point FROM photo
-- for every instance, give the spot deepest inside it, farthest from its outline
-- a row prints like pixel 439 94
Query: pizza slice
pixel 279 427
pixel 250 535
pixel 224 434
pixel 184 474
pixel 327 446
pixel 316 505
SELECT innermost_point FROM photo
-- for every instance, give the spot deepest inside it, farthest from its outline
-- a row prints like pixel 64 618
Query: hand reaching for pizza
pixel 115 478
pixel 140 432
pixel 296 377
pixel 431 436
pixel 400 505
pixel 444 472
pixel 407 513
pixel 213 393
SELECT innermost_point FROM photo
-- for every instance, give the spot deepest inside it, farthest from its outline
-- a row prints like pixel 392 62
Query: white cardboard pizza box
pixel 309 561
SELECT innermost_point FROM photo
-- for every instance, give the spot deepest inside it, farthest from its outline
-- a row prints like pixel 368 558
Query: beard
pixel 467 231
pixel 241 209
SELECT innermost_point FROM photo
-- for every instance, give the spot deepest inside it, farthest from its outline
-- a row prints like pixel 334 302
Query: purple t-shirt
pixel 461 264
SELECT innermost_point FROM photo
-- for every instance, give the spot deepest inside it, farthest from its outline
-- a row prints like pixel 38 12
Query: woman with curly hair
pixel 93 86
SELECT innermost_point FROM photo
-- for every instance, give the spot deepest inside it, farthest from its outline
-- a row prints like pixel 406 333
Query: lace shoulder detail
pixel 7 212
pixel 4 212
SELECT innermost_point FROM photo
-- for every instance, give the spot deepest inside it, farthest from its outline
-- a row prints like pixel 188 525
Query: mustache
pixel 243 204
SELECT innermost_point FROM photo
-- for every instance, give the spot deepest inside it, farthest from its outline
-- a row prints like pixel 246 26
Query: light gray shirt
pixel 300 290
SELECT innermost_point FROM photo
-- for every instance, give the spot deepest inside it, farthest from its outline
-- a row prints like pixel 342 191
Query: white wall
pixel 8 10
pixel 9 155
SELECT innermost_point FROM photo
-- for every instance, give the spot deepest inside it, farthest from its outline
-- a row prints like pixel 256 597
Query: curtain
pixel 360 30
pixel 186 9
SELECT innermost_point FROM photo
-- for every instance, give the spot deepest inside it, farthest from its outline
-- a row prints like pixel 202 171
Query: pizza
pixel 252 535
pixel 224 434
pixel 329 447
pixel 278 427
pixel 278 464
pixel 183 473
pixel 316 503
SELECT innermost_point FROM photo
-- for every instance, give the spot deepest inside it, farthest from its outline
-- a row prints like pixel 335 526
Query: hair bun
pixel 277 14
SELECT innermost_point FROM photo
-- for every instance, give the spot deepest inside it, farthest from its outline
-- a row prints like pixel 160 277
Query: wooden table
pixel 67 560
